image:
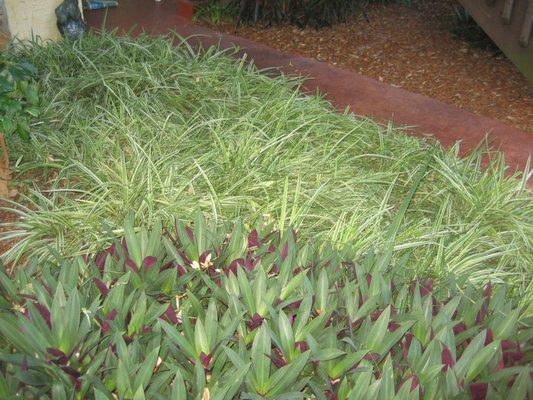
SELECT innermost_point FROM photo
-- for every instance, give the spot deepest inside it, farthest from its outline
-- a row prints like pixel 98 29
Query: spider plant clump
pixel 151 125
pixel 200 312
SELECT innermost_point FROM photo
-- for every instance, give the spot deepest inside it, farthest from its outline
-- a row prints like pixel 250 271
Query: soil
pixel 412 47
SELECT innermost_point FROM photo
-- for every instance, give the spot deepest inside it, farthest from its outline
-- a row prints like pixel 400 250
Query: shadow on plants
pixel 302 13
pixel 216 11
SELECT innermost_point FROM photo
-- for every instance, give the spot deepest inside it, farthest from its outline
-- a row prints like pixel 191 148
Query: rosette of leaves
pixel 199 312
pixel 19 101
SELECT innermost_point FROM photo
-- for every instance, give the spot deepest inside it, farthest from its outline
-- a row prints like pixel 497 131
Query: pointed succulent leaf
pixel 286 376
pixel 505 326
pixel 142 379
pixel 378 331
pixel 176 337
pixel 286 334
pixel 520 386
pixel 465 361
pixel 260 355
pixel 386 390
pixel 246 290
pixel 361 385
pixel 346 363
pixel 481 359
pixel 201 341
pixel 178 390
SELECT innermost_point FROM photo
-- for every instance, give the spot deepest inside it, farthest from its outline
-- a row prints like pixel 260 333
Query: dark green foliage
pixel 19 97
pixel 216 11
pixel 302 13
pixel 315 13
pixel 203 313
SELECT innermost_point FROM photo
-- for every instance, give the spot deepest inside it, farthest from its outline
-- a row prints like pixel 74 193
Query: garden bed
pixel 196 229
pixel 205 131
pixel 413 48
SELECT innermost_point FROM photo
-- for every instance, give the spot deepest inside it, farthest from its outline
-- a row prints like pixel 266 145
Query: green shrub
pixel 19 98
pixel 19 102
pixel 205 313
pixel 216 11
pixel 316 13
pixel 303 13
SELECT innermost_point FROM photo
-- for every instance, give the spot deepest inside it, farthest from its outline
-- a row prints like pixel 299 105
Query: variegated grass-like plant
pixel 148 124
pixel 201 312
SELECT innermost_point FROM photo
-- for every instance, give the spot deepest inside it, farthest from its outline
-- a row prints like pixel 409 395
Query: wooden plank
pixel 527 26
pixel 507 11
pixel 509 25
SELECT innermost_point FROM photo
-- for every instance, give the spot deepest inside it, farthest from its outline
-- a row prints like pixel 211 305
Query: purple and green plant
pixel 205 312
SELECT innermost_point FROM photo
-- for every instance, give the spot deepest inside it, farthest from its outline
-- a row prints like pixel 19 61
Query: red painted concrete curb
pixel 364 96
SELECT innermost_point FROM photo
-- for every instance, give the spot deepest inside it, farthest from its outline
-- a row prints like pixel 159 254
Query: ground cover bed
pixel 196 229
pixel 411 46
pixel 138 124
